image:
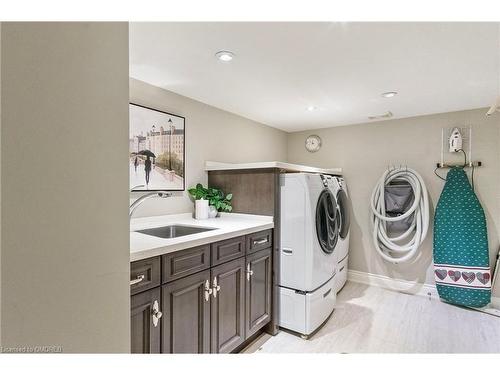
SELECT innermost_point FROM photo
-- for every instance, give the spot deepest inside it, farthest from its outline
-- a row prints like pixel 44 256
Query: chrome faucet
pixel 140 200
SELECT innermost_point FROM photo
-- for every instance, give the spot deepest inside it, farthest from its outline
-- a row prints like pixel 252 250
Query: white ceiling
pixel 341 68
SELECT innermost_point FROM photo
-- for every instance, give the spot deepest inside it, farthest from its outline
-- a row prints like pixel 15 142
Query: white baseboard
pixel 398 285
pixel 495 302
pixel 410 287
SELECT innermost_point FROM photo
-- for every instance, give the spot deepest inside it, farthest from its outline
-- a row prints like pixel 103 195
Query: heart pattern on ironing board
pixel 468 276
pixel 454 275
pixel 483 277
pixel 441 274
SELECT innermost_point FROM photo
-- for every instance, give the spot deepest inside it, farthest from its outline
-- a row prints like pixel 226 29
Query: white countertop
pixel 228 225
pixel 286 167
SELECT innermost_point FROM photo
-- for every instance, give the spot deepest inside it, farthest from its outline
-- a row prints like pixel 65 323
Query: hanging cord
pixel 472 171
pixel 437 174
pixel 472 178
pixel 464 165
pixel 465 157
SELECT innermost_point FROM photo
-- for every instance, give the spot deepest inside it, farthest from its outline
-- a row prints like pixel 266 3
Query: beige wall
pixel 365 150
pixel 65 231
pixel 0 184
pixel 211 134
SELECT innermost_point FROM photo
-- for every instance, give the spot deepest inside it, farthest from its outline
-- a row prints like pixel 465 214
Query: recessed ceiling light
pixel 225 56
pixel 389 94
pixel 311 108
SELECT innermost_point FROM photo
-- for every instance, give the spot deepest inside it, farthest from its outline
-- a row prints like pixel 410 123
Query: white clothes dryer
pixel 344 216
pixel 309 230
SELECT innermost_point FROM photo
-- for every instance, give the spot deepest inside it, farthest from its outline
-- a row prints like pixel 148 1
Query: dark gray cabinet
pixel 258 291
pixel 259 241
pixel 186 262
pixel 227 250
pixel 207 299
pixel 228 306
pixel 145 328
pixel 144 275
pixel 186 314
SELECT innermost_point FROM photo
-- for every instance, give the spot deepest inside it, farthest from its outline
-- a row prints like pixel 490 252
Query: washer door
pixel 344 206
pixel 327 221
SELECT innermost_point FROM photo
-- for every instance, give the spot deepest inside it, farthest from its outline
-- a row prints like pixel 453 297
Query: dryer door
pixel 344 206
pixel 327 223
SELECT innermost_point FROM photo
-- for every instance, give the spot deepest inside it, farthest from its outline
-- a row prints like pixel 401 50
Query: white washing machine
pixel 309 250
pixel 344 216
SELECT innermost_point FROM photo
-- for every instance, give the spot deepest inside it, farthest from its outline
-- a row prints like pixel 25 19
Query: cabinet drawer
pixel 144 274
pixel 185 262
pixel 227 250
pixel 259 241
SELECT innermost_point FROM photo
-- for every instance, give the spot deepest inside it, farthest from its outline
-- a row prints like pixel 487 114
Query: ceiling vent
pixel 494 108
pixel 386 115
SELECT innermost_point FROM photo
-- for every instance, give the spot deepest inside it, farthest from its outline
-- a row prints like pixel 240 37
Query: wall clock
pixel 313 143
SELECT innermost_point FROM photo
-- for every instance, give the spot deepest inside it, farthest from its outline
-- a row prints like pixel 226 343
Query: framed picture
pixel 156 150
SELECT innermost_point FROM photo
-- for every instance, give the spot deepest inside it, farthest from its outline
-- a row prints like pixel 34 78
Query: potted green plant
pixel 216 198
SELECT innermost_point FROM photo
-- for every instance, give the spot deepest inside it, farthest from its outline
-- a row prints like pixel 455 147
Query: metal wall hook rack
pixel 473 164
pixel 393 167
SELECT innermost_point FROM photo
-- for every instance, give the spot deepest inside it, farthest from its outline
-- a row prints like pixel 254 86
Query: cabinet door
pixel 145 325
pixel 228 306
pixel 186 314
pixel 258 291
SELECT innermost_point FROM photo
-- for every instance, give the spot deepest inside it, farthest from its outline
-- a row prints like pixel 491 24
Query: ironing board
pixel 461 257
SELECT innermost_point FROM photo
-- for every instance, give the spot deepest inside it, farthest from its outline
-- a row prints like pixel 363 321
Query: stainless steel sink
pixel 173 231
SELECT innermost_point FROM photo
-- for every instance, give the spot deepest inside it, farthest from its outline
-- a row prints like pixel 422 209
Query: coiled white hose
pixel 402 248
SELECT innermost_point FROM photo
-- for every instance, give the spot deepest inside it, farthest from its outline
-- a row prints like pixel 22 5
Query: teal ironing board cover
pixel 461 256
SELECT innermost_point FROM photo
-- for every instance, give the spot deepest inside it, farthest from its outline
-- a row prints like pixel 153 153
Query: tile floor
pixel 376 320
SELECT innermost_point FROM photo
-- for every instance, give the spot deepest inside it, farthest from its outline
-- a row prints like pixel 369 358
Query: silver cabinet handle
pixel 287 251
pixel 249 272
pixel 137 280
pixel 215 288
pixel 208 290
pixel 157 314
pixel 260 242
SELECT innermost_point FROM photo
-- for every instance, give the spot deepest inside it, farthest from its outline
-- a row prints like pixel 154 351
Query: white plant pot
pixel 212 212
pixel 201 209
